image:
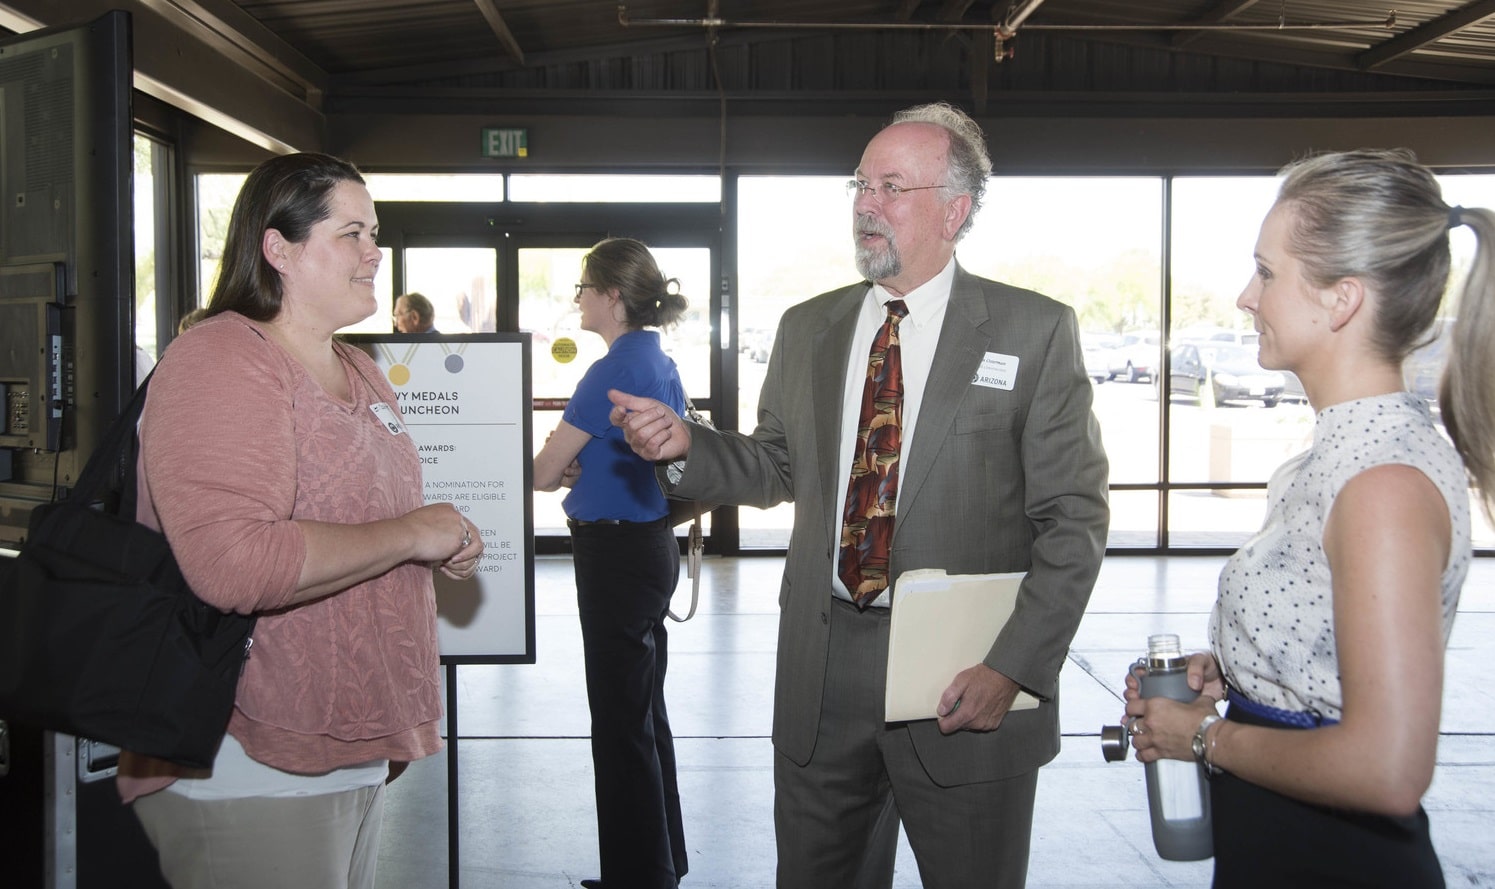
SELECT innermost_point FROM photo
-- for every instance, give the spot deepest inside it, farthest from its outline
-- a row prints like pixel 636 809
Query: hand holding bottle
pixel 1162 727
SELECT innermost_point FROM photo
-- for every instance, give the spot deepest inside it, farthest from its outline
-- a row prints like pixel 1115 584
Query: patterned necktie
pixel 872 492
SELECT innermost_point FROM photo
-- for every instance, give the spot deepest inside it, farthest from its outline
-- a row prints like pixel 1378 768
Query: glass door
pixel 510 267
pixel 562 351
pixel 460 282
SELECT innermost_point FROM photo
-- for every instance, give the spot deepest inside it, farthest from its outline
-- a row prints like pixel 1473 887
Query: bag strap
pixel 114 458
pixel 695 540
pixel 695 546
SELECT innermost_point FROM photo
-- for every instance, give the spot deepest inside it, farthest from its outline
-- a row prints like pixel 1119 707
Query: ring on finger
pixel 466 535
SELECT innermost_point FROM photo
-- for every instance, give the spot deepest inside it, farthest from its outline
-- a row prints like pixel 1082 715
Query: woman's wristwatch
pixel 1200 750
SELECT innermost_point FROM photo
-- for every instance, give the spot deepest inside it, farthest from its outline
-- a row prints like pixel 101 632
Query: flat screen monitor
pixel 66 255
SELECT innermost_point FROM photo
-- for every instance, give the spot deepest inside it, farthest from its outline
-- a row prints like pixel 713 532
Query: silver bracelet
pixel 1200 750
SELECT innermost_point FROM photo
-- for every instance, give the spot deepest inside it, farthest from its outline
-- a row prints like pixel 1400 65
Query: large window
pixel 1093 243
pixel 1231 420
pixel 460 282
pixel 614 188
pixel 215 203
pixel 794 241
pixel 150 156
pixel 1192 425
pixel 1097 245
pixel 447 188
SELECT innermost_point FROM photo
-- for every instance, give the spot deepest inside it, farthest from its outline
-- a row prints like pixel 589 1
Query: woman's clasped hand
pixel 445 539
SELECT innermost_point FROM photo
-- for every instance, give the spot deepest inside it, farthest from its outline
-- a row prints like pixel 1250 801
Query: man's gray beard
pixel 878 265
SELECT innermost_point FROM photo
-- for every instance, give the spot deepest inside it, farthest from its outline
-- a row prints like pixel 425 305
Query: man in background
pixel 414 313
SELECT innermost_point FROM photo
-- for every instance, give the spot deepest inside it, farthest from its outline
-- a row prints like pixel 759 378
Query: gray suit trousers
pixel 836 818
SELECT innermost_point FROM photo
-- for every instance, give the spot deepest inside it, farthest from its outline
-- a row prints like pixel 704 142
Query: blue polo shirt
pixel 615 482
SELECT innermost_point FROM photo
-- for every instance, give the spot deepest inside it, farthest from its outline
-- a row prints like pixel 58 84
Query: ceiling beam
pixel 1424 34
pixel 953 10
pixel 260 89
pixel 1245 47
pixel 406 74
pixel 239 34
pixel 1224 11
pixel 501 29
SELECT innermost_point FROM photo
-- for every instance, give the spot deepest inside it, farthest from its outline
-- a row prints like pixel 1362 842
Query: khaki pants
pixel 329 841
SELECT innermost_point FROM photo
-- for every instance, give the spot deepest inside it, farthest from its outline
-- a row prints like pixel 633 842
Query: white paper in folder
pixel 942 624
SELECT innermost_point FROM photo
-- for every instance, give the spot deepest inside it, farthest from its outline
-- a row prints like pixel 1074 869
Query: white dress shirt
pixel 918 336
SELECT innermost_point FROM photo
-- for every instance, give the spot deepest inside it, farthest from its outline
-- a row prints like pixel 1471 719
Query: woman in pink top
pixel 275 461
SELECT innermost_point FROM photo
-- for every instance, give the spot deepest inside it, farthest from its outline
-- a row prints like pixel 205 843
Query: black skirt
pixel 1263 838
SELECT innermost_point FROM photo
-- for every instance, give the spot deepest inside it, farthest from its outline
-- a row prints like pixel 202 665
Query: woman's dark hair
pixel 291 194
pixel 649 299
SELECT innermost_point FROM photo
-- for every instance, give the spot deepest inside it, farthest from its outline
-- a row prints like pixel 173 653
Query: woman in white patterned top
pixel 1330 627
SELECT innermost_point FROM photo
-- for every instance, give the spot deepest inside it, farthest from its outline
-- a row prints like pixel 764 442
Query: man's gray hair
pixel 969 164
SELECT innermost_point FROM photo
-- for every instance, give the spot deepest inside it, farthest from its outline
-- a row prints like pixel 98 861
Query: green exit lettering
pixel 505 143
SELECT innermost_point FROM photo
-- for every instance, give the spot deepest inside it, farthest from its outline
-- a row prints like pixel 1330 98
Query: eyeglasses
pixel 885 193
pixel 585 286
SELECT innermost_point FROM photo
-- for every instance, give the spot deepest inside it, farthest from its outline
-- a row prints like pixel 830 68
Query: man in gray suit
pixel 1001 469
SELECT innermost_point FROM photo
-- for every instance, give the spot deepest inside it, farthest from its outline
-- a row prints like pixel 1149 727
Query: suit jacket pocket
pixel 985 422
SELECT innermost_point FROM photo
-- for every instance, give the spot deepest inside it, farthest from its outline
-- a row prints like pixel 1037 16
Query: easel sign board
pixel 465 400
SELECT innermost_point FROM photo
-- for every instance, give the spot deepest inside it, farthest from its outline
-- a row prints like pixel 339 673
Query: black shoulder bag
pixel 101 637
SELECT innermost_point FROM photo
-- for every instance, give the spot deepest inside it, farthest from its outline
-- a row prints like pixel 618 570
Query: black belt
pixel 582 523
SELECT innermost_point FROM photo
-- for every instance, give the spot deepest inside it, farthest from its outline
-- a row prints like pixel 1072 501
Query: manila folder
pixel 942 624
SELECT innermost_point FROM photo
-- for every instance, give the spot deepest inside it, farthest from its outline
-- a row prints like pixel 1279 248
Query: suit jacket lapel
pixel 957 357
pixel 828 365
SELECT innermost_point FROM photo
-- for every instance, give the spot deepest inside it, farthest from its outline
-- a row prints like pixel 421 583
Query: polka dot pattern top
pixel 1272 629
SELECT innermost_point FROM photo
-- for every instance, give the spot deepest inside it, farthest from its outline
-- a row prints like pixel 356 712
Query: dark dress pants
pixel 625 576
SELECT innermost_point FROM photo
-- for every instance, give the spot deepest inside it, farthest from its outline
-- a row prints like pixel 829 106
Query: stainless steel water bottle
pixel 1177 791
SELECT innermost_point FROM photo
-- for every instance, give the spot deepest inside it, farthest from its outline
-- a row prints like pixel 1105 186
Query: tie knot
pixel 897 308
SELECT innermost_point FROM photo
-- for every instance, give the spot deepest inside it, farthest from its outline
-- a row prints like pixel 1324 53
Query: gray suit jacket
pixel 997 481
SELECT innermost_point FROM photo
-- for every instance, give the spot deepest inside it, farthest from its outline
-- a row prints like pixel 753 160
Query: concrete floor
pixel 525 798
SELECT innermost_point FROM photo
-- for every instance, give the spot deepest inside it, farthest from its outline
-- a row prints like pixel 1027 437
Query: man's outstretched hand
pixel 652 429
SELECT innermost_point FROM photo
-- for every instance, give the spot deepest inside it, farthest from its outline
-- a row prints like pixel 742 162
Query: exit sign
pixel 505 143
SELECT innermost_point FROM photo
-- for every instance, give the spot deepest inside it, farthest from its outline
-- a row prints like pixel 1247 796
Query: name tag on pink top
pixel 389 417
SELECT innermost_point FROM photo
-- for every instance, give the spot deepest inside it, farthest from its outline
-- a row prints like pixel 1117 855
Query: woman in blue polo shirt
pixel 627 563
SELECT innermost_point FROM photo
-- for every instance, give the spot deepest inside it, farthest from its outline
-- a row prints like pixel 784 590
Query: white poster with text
pixel 465 400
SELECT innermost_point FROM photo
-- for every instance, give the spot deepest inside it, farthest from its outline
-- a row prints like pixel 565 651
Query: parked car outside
pixel 1293 391
pixel 1096 349
pixel 1422 371
pixel 1223 372
pixel 1206 333
pixel 1137 357
pixel 756 343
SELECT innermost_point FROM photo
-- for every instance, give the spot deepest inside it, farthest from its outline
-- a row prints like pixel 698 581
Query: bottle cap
pixel 1164 652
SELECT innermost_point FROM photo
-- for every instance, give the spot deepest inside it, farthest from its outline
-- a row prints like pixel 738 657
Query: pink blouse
pixel 238 442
